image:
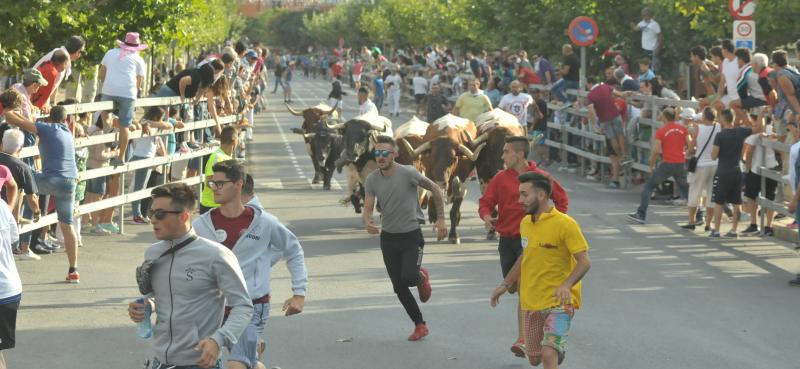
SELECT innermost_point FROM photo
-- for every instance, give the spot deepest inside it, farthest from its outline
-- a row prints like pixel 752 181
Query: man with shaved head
pixel 517 102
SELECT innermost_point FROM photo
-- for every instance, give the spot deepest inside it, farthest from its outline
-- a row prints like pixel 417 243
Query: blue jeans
pixel 140 178
pixel 125 107
pixel 166 91
pixel 278 81
pixel 63 190
pixel 246 349
pixel 559 88
pixel 378 102
pixel 662 172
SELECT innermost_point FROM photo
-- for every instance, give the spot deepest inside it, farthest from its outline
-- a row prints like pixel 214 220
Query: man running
pixel 502 193
pixel 247 230
pixel 395 187
pixel 554 260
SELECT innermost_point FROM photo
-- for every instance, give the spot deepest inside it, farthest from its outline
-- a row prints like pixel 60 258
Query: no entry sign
pixel 742 9
pixel 583 31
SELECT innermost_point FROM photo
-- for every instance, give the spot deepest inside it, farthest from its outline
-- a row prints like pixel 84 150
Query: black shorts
pixel 749 102
pixel 8 325
pixel 510 249
pixel 419 97
pixel 727 189
pixel 752 187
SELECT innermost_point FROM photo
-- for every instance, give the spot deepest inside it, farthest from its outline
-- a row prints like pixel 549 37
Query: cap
pixel 33 75
pixel 687 113
pixel 251 54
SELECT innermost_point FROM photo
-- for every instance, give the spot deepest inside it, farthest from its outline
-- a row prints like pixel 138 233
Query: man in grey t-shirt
pixel 395 187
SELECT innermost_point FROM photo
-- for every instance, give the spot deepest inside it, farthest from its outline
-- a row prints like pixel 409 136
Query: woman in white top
pixel 143 148
pixel 99 155
pixel 702 180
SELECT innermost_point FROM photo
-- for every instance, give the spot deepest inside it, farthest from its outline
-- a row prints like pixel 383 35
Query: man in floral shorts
pixel 554 260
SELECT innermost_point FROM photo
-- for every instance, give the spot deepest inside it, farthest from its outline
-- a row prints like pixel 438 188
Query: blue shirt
pixel 57 149
pixel 378 87
pixel 646 76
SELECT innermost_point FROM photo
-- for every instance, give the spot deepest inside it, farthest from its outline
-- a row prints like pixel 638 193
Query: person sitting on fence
pixel 671 141
pixel 59 173
pixel 751 94
pixel 570 74
pixel 145 148
pixel 729 74
pixel 645 72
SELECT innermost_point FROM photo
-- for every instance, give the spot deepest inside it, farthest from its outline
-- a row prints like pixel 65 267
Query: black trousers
pixel 402 255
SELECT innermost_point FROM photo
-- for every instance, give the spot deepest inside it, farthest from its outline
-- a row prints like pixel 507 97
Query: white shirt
pixel 395 80
pixel 758 159
pixel 704 135
pixel 650 31
pixel 435 79
pixel 145 147
pixel 420 85
pixel 517 105
pixel 730 71
pixel 368 107
pixel 121 73
pixel 10 283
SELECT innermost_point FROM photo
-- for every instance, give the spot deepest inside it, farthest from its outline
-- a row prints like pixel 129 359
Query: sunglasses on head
pixel 383 153
pixel 160 214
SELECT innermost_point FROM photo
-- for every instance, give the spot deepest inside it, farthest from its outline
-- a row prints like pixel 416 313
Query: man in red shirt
pixel 527 76
pixel 502 193
pixel 50 71
pixel 336 70
pixel 603 111
pixel 671 142
pixel 358 68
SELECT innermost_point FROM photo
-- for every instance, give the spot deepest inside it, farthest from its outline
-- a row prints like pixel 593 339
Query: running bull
pixel 326 147
pixel 311 119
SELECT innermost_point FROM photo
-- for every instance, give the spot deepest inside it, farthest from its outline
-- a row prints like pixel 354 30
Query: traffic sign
pixel 742 9
pixel 583 31
pixel 744 34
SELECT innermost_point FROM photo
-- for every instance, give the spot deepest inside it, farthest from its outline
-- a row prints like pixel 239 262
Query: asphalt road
pixel 656 297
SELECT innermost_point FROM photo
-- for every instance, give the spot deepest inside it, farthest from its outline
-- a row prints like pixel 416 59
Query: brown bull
pixel 311 118
pixel 447 160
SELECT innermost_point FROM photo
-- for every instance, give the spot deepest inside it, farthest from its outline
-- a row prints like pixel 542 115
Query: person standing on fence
pixel 702 179
pixel 394 83
pixel 59 174
pixel 671 141
pixel 228 140
pixel 555 258
pixel 517 103
pixel 652 37
pixel 259 240
pixel 472 103
pixel 122 72
pixel 604 113
pixel 502 194
pixel 728 178
pixel 189 304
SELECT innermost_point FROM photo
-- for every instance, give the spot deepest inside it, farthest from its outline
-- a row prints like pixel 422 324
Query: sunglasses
pixel 160 214
pixel 383 153
pixel 217 184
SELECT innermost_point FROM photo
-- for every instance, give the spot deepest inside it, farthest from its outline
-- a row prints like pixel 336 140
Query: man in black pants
pixel 395 187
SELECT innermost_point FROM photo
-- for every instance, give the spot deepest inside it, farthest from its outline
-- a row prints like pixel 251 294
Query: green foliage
pixel 279 27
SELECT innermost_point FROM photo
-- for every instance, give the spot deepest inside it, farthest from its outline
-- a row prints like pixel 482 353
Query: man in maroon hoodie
pixel 502 193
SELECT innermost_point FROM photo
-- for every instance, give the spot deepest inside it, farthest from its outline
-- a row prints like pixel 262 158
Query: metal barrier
pixel 125 198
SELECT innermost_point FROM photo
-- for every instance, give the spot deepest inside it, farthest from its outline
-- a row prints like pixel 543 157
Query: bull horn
pixel 294 112
pixel 309 136
pixel 421 149
pixel 468 153
pixel 406 145
pixel 336 126
pixel 333 109
pixel 479 140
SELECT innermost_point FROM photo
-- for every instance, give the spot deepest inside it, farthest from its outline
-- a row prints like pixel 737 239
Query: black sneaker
pixel 768 231
pixel 707 228
pixel 731 234
pixel 689 227
pixel 752 230
pixel 636 217
pixel 39 249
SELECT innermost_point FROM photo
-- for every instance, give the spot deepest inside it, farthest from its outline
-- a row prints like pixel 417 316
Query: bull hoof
pixel 491 236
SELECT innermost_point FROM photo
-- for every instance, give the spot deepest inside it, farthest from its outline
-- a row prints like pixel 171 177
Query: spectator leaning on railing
pixel 74 49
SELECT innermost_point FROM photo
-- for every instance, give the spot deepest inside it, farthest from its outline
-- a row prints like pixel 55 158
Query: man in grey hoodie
pixel 258 240
pixel 191 287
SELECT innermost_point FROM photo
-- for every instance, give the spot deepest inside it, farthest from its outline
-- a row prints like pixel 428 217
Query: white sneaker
pixel 29 256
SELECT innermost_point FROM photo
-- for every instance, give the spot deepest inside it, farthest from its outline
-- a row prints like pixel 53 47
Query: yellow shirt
pixel 207 198
pixel 471 106
pixel 548 247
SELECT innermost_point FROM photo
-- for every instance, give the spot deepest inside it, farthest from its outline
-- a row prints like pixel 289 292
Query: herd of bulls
pixel 446 151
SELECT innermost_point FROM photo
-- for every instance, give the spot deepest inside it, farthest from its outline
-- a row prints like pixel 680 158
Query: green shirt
pixel 471 106
pixel 207 199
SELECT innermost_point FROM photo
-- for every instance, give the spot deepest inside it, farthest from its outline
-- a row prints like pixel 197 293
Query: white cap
pixel 687 113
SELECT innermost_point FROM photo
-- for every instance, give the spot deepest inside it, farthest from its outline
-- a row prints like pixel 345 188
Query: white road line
pixel 272 185
pixel 318 186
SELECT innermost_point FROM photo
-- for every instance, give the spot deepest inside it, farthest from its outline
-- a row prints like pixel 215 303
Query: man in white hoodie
pixel 258 240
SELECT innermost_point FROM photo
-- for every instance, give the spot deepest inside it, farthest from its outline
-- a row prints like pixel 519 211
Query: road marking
pixel 272 185
pixel 318 186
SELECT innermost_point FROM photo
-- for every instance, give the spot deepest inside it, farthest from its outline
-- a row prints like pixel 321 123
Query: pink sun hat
pixel 131 42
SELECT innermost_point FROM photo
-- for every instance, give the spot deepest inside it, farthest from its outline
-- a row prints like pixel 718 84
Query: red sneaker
pixel 424 286
pixel 73 277
pixel 421 330
pixel 518 348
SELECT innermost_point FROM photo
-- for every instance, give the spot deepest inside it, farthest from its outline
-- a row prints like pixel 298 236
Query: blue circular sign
pixel 583 31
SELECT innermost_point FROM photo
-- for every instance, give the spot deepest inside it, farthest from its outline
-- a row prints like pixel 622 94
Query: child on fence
pixel 97 188
pixel 144 148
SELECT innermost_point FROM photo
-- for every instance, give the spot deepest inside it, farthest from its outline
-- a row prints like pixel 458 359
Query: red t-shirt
pixel 673 143
pixel 358 68
pixel 602 97
pixel 336 69
pixel 229 230
pixel 622 107
pixel 528 77
pixel 50 73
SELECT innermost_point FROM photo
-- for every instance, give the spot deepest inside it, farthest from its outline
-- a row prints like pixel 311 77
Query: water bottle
pixel 145 328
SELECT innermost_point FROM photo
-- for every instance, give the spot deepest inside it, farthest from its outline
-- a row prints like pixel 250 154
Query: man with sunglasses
pixel 395 187
pixel 258 240
pixel 192 279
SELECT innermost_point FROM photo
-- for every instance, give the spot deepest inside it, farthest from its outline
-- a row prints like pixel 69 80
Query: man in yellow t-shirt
pixel 554 260
pixel 472 103
pixel 227 142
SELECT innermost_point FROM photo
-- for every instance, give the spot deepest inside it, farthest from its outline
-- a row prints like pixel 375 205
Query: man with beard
pixel 395 187
pixel 517 103
pixel 554 260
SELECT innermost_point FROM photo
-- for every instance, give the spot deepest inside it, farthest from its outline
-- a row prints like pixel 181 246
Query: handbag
pixel 692 164
pixel 143 271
